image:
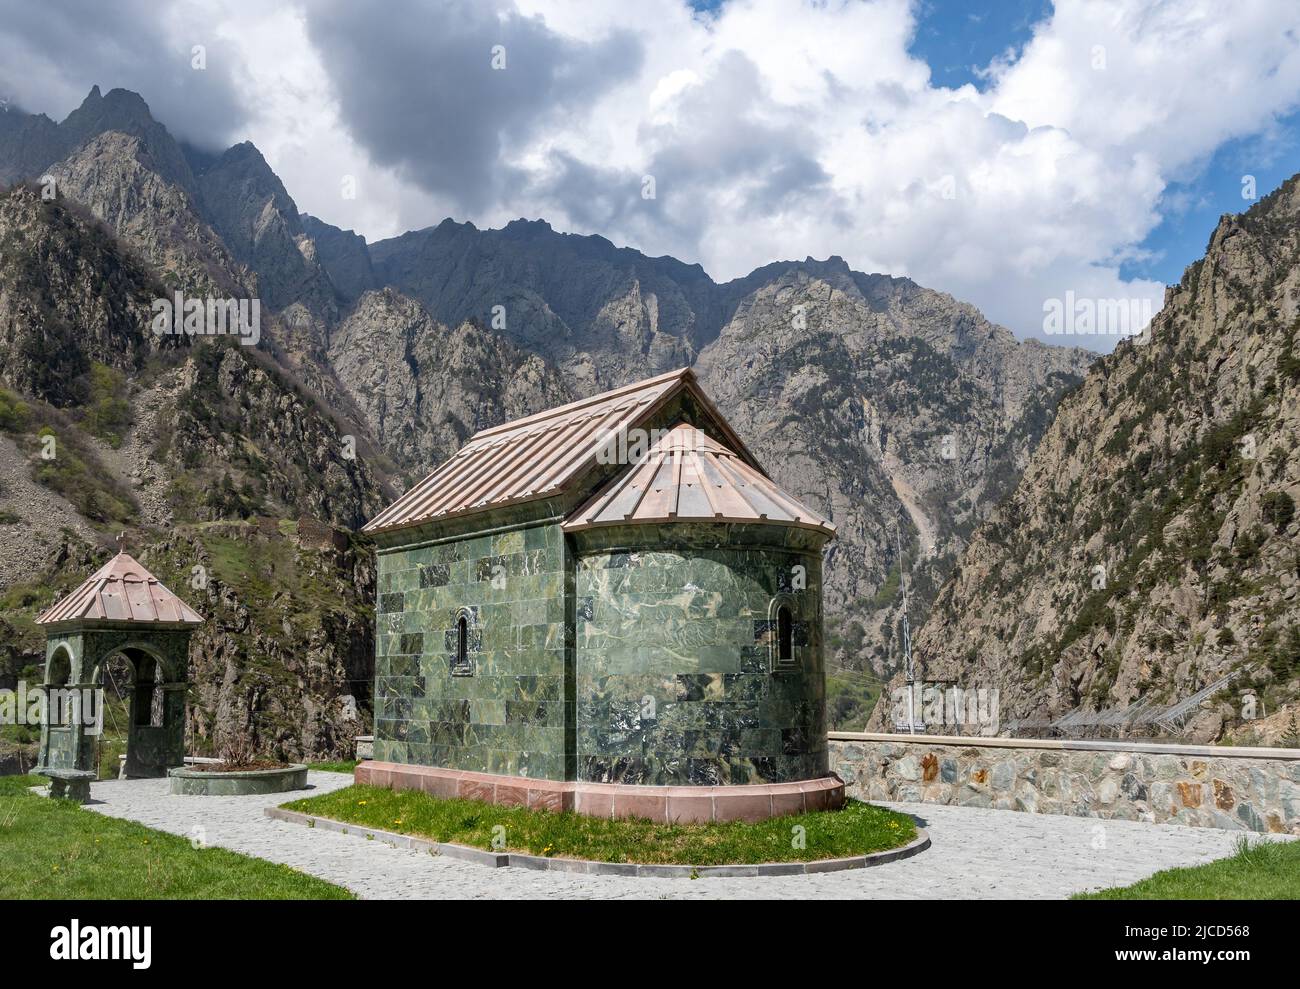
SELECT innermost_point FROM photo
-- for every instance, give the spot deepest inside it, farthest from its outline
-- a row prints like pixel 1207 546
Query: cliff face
pixel 257 220
pixel 1152 544
pixel 115 176
pixel 424 389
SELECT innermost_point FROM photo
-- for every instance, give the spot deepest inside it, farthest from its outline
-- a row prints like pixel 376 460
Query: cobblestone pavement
pixel 975 854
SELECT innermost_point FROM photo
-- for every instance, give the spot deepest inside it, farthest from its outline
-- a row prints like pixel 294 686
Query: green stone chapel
pixel 609 592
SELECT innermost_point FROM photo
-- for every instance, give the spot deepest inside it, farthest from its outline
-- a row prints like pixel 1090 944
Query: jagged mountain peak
pixel 244 164
pixel 523 227
pixel 126 112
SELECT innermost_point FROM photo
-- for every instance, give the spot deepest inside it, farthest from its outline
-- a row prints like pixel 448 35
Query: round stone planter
pixel 193 783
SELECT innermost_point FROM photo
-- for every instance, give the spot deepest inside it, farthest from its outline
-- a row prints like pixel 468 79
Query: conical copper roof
pixel 689 476
pixel 121 591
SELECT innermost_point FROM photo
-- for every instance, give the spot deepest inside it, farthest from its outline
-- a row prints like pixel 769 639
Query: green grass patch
pixel 56 850
pixel 857 829
pixel 342 766
pixel 1260 870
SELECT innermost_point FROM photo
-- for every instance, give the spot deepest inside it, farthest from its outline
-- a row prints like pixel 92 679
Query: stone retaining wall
pixel 1253 789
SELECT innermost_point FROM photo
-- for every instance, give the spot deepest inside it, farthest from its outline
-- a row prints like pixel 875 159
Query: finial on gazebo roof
pixel 121 541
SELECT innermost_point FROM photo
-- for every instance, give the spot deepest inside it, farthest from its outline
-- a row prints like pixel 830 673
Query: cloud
pixel 51 55
pixel 450 93
pixel 771 128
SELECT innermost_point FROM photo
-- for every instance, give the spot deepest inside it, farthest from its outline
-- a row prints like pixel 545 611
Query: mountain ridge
pixel 850 384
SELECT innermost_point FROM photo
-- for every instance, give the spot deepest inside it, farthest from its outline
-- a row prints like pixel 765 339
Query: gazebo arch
pixel 121 610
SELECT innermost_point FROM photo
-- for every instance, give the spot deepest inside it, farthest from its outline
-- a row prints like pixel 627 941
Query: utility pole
pixel 909 671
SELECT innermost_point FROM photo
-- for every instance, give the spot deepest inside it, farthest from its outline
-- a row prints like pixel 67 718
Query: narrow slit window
pixel 462 642
pixel 784 636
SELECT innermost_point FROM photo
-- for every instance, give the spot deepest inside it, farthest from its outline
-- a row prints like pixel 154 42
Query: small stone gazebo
pixel 608 607
pixel 122 610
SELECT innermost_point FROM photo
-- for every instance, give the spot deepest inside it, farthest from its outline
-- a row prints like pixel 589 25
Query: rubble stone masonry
pixel 1247 789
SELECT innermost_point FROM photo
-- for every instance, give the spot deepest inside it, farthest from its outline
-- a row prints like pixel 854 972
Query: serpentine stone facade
pixel 675 674
pixel 1251 789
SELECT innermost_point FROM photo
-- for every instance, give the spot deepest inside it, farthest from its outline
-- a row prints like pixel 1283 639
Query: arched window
pixel 463 643
pixel 784 635
pixel 782 632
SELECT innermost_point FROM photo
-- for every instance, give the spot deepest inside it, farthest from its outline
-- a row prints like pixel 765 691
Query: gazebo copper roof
pixel 689 476
pixel 540 455
pixel 121 591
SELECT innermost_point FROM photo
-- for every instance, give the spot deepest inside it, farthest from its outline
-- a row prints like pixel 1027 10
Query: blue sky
pixel 958 40
pixel 1190 208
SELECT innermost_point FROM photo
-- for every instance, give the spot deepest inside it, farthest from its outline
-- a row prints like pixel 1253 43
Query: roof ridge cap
pixel 561 411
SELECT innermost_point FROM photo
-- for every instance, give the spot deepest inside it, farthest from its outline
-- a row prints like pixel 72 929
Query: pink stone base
pixel 656 803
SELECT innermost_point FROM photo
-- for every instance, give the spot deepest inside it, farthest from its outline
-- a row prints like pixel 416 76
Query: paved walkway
pixel 975 854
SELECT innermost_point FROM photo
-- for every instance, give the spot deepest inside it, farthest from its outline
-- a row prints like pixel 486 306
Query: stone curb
pixel 518 860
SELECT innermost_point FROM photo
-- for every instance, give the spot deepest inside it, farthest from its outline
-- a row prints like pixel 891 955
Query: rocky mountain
pixel 344 256
pixel 424 389
pixel 31 143
pixel 70 296
pixel 250 209
pixel 885 405
pixel 1152 545
pixel 117 178
pixel 873 398
pixel 604 315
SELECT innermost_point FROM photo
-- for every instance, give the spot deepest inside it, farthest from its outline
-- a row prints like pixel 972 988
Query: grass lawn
pixel 1262 870
pixel 855 830
pixel 345 766
pixel 55 850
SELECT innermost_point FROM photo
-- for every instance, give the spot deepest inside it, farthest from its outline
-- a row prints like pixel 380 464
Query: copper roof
pixel 539 455
pixel 121 591
pixel 687 476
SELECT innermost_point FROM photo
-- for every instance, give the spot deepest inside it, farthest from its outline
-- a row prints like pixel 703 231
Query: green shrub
pixel 1278 509
pixel 108 414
